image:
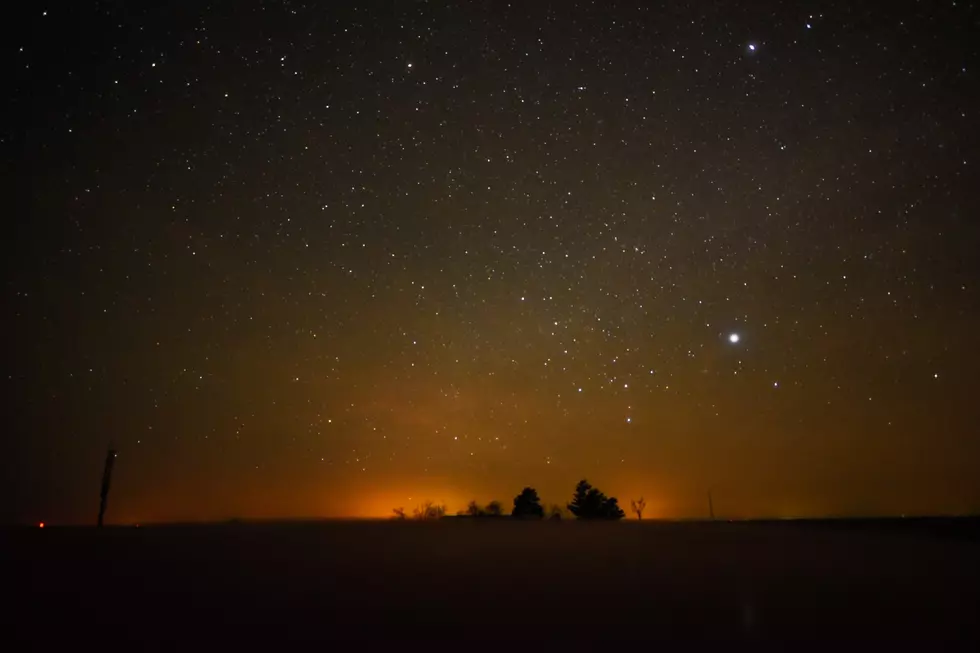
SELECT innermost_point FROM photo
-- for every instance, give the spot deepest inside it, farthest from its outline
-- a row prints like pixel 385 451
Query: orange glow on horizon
pixel 382 504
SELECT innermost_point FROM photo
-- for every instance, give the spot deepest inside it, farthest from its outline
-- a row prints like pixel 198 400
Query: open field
pixel 478 583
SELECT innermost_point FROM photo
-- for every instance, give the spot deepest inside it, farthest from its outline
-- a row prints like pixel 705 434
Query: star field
pixel 307 260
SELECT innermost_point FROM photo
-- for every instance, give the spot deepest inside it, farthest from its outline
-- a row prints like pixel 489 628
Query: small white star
pixel 733 338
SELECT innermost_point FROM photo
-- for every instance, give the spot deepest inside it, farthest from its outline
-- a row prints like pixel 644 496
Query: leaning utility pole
pixel 110 458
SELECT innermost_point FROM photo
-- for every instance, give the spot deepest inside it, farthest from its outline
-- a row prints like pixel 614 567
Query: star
pixel 733 338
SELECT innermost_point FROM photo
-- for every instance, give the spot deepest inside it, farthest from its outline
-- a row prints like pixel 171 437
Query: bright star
pixel 733 338
pixel 751 47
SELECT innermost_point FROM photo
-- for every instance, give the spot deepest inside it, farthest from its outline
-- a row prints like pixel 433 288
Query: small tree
pixel 494 509
pixel 527 505
pixel 429 511
pixel 473 509
pixel 421 513
pixel 399 513
pixel 638 505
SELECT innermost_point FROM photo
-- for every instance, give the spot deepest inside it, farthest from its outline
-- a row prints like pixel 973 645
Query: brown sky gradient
pixel 331 262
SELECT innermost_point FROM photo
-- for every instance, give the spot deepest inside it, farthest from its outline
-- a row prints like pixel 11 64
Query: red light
pixel 41 525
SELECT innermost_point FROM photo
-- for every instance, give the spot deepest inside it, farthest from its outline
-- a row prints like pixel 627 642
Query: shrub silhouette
pixel 473 509
pixel 527 505
pixel 639 505
pixel 589 503
pixel 429 511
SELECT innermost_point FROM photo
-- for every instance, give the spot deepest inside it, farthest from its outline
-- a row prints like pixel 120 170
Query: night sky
pixel 326 260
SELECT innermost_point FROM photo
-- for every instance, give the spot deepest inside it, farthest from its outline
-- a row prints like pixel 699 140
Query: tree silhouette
pixel 589 503
pixel 429 511
pixel 399 513
pixel 586 502
pixel 611 509
pixel 473 509
pixel 527 505
pixel 639 505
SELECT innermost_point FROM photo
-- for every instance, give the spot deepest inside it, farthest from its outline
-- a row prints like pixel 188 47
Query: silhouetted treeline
pixel 587 503
pixel 428 511
pixel 492 509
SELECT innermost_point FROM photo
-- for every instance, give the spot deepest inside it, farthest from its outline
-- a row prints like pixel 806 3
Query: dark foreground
pixel 470 584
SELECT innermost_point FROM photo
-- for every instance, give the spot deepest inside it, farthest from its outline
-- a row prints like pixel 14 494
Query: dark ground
pixel 475 584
